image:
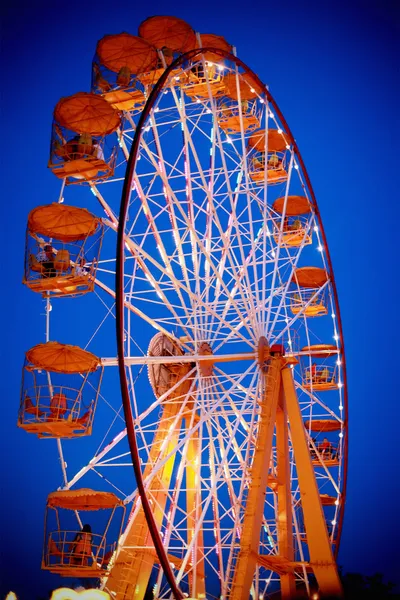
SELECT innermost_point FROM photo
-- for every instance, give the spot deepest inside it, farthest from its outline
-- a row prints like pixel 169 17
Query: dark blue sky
pixel 331 66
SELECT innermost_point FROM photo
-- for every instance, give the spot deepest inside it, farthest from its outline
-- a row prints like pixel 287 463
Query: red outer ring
pixel 119 300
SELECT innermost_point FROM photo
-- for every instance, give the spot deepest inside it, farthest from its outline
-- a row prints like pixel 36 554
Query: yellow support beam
pixel 193 508
pixel 321 557
pixel 131 572
pixel 284 517
pixel 251 527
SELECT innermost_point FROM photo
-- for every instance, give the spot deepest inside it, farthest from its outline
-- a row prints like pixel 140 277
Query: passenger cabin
pixel 118 61
pixel 292 229
pixel 78 151
pixel 72 550
pixel 164 378
pixel 60 387
pixel 62 250
pixel 323 425
pixel 239 107
pixel 318 367
pixel 272 166
pixel 205 77
pixel 171 37
pixel 306 295
pixel 326 454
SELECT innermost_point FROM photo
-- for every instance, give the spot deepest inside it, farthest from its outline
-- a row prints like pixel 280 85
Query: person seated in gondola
pixel 273 161
pixel 81 547
pixel 325 448
pixel 259 161
pixel 311 373
pixel 295 225
pixel 58 407
pixel 45 257
pixel 245 106
pixel 81 268
pixel 323 375
pixel 80 146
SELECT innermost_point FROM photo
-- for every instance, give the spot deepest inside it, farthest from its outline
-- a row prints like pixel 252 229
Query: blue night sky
pixel 331 68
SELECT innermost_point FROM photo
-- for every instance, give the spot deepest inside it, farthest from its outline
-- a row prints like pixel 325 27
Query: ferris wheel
pixel 230 348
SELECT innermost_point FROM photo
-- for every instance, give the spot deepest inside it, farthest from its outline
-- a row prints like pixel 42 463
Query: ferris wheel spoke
pixel 278 247
pixel 237 227
pixel 301 312
pixel 222 464
pixel 207 188
pixel 293 262
pixel 201 246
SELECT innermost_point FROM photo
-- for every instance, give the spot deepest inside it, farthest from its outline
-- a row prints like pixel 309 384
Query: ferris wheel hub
pixel 206 367
pixel 263 353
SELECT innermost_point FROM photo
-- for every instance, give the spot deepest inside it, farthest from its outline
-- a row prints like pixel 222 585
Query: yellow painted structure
pixel 279 406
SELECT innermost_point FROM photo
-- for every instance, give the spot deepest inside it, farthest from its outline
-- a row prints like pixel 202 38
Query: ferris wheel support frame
pixel 120 304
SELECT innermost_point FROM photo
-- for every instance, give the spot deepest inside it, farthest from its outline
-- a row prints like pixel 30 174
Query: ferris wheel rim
pixel 130 168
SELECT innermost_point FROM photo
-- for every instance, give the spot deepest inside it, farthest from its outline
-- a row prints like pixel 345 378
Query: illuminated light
pixel 320 248
pixel 338 362
pixel 93 191
pixel 197 101
pixel 336 337
pixel 229 140
pixel 315 227
pixel 296 166
pixel 68 594
pixel 271 115
pixel 273 253
pixel 11 596
pixel 333 522
pixel 253 91
pixel 287 147
pixel 340 385
pixel 336 502
pixel 166 92
pixel 220 67
pixel 341 434
pixel 147 128
pixel 209 111
pixel 209 64
pixel 261 100
pixel 177 78
pixel 157 109
pixel 315 597
pixel 333 315
pixel 280 131
pixel 61 201
pixel 292 366
pixel 340 407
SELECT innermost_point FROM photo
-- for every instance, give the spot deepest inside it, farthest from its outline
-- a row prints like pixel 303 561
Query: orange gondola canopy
pixel 295 205
pixel 209 40
pixel 83 499
pixel 249 88
pixel 321 350
pixel 126 50
pixel 168 32
pixel 87 113
pixel 62 358
pixel 310 277
pixel 276 141
pixel 62 222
